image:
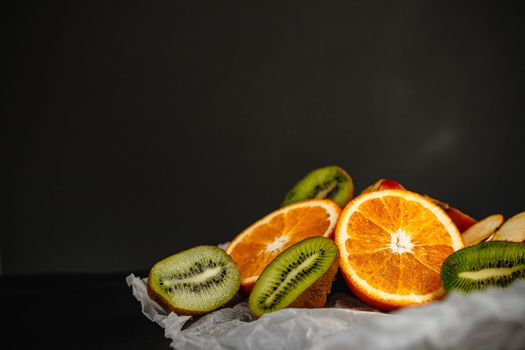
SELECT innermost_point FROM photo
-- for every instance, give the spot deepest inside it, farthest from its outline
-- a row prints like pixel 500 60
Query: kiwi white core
pixel 199 278
pixel 304 265
pixel 400 242
pixel 324 192
pixel 490 273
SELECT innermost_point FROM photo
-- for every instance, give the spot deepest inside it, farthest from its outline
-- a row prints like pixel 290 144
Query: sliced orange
pixel 255 247
pixel 392 244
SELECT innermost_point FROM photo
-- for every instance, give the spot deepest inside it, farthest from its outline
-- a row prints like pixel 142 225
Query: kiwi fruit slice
pixel 195 281
pixel 331 182
pixel 300 276
pixel 486 264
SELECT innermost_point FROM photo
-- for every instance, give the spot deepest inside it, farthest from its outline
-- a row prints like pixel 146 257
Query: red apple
pixel 384 184
pixel 460 219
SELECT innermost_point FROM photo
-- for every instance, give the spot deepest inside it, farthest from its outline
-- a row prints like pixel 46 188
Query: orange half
pixel 392 244
pixel 255 247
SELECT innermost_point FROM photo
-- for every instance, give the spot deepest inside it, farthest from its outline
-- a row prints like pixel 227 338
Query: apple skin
pixel 384 184
pixel 387 184
pixel 460 219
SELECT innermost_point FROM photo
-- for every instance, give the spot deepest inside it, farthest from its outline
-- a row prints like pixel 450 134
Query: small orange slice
pixel 392 244
pixel 255 247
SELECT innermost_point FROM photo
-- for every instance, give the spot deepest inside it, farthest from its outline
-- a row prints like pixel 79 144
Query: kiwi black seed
pixel 301 276
pixel 330 182
pixel 195 281
pixel 494 263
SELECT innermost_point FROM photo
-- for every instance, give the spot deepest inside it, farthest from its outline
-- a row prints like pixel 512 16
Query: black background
pixel 134 130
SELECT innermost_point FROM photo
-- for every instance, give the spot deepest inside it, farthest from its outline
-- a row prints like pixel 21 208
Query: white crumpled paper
pixel 493 319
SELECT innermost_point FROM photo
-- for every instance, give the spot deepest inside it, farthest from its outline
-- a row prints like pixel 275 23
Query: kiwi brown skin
pixel 315 296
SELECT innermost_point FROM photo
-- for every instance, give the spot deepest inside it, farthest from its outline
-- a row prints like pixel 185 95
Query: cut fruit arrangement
pixel 393 247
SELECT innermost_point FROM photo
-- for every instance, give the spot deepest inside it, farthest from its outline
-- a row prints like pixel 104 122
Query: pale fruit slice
pixel 255 247
pixel 482 230
pixel 512 230
pixel 392 244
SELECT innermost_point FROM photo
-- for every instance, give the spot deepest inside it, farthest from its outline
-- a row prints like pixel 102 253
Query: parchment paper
pixel 492 319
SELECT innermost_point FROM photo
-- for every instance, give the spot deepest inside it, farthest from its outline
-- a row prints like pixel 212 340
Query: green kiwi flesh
pixel 330 182
pixel 195 281
pixel 494 263
pixel 300 276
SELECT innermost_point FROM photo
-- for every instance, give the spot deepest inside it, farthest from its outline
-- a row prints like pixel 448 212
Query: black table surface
pixel 74 312
pixel 90 311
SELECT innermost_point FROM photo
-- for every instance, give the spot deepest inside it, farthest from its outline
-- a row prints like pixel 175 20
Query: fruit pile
pixel 393 247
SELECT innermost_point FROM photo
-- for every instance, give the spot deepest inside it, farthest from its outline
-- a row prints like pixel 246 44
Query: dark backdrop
pixel 136 129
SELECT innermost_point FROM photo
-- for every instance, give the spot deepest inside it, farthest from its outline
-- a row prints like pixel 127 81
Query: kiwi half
pixel 195 281
pixel 486 264
pixel 301 276
pixel 330 182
